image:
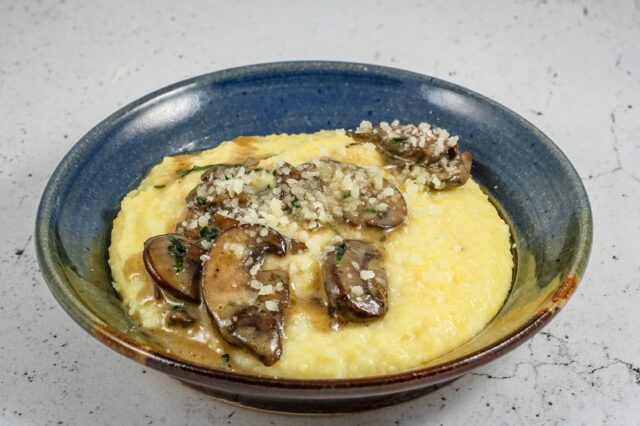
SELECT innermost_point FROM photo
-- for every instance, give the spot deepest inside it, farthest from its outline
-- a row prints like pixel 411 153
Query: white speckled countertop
pixel 570 67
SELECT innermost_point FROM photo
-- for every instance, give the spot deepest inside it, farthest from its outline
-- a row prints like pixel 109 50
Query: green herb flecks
pixel 226 358
pixel 372 210
pixel 208 234
pixel 201 201
pixel 295 203
pixel 399 139
pixel 178 250
pixel 346 194
pixel 159 186
pixel 184 172
pixel 340 249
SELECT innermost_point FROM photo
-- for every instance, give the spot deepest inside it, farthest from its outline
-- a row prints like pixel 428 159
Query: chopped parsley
pixel 201 201
pixel 295 202
pixel 231 303
pixel 226 358
pixel 400 139
pixel 208 234
pixel 177 249
pixel 373 210
pixel 159 186
pixel 346 194
pixel 340 249
pixel 382 238
pixel 176 307
pixel 184 172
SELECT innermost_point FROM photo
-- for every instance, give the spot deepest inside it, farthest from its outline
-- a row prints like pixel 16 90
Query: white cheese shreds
pixel 266 289
pixel 254 269
pixel 271 305
pixel 357 290
pixel 365 274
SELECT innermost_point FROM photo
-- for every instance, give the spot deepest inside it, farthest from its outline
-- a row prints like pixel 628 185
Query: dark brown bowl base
pixel 316 406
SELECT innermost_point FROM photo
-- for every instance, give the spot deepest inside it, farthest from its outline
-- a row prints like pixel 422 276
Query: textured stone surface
pixel 572 68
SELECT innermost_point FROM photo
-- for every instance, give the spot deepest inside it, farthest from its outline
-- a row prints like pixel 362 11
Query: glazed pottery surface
pixel 527 177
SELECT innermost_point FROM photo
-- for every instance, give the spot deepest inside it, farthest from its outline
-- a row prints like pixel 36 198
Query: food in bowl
pixel 336 254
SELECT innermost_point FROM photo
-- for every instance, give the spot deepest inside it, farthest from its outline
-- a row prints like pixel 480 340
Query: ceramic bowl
pixel 528 178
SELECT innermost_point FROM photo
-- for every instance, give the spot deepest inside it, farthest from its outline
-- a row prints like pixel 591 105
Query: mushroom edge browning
pixel 362 213
pixel 247 305
pixel 409 146
pixel 355 285
pixel 174 264
pixel 320 179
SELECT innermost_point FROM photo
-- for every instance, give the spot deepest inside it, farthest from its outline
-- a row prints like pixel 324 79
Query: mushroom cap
pixel 247 305
pixel 356 287
pixel 174 264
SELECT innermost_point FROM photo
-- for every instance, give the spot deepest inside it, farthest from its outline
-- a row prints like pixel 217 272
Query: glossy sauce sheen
pixel 448 266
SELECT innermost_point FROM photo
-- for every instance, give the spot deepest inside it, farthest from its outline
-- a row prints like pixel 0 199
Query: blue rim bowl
pixel 529 179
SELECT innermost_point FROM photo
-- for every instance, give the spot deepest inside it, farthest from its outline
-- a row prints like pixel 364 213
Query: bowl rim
pixel 181 368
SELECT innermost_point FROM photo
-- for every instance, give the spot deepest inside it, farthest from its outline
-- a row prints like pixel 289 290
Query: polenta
pixel 337 254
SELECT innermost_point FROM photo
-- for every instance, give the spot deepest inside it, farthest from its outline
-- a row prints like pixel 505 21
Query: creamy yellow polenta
pixel 448 266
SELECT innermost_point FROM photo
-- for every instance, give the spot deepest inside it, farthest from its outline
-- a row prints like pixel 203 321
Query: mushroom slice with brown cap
pixel 223 222
pixel 327 187
pixel 355 285
pixel 409 146
pixel 383 207
pixel 397 150
pixel 174 264
pixel 455 171
pixel 247 305
pixel 260 326
pixel 393 214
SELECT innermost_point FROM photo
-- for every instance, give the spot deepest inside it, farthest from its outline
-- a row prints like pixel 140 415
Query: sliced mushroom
pixel 188 226
pixel 355 285
pixel 174 264
pixel 206 203
pixel 246 304
pixel 410 146
pixel 259 326
pixel 223 222
pixel 395 149
pixel 394 214
pixel 377 203
pixel 457 171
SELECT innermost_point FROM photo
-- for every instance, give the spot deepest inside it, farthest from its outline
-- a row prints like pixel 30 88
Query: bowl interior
pixel 527 177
